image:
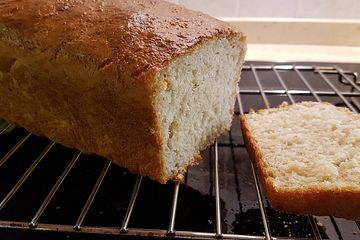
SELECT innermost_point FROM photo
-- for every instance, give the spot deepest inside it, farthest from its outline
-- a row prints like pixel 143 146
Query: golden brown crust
pixel 343 203
pixel 133 36
pixel 78 109
pixel 105 51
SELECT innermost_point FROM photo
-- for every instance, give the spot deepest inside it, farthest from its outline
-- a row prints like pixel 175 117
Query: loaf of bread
pixel 147 84
pixel 308 157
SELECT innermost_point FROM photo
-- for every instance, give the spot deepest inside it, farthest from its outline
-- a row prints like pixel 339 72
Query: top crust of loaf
pixel 132 37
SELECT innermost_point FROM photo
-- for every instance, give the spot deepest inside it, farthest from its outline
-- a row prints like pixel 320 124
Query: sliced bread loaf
pixel 146 84
pixel 308 157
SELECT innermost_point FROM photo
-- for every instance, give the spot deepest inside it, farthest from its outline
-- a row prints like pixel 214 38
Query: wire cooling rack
pixel 46 188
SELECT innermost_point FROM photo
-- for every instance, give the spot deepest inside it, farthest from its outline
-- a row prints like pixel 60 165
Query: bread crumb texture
pixel 197 101
pixel 309 145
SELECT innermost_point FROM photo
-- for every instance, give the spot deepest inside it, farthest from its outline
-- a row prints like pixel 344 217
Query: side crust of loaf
pixel 344 202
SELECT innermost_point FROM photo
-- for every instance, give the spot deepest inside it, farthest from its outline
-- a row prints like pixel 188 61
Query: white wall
pixel 338 9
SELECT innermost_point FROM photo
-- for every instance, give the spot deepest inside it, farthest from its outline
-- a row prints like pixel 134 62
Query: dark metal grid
pixel 345 77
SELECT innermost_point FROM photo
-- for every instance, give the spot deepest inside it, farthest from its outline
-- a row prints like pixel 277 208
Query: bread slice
pixel 147 84
pixel 308 157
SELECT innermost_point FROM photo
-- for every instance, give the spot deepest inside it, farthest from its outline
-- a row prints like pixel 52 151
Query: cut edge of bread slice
pixel 337 201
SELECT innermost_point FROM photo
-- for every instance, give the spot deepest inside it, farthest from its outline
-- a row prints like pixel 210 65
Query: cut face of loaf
pixel 308 157
pixel 197 102
pixel 146 84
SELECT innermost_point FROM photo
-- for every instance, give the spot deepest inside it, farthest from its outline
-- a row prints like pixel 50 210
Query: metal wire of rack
pixel 348 94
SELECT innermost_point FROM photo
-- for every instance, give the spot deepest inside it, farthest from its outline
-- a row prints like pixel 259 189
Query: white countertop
pixel 303 53
pixel 302 40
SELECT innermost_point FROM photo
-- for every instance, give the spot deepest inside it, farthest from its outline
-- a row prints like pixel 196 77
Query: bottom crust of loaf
pixel 180 175
pixel 344 203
